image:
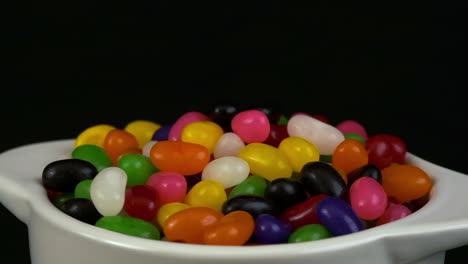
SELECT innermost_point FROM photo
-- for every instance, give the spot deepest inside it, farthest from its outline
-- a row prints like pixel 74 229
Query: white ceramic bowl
pixel 54 237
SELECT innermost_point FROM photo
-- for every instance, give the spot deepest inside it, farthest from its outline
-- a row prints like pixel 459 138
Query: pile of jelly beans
pixel 236 177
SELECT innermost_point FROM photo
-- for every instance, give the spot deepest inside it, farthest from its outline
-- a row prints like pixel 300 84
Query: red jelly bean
pixel 277 134
pixel 142 202
pixel 304 213
pixel 385 149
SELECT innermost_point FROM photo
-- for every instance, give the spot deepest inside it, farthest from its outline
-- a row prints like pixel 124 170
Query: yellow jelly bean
pixel 204 133
pixel 207 193
pixel 299 151
pixel 266 161
pixel 94 135
pixel 142 130
pixel 169 209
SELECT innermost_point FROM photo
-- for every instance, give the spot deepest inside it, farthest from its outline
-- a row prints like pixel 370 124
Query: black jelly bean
pixel 255 205
pixel 81 209
pixel 321 178
pixel 64 175
pixel 223 114
pixel 271 112
pixel 285 192
pixel 368 170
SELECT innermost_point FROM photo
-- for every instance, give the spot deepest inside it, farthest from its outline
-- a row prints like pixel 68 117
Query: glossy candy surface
pixel 169 209
pixel 229 171
pixel 271 230
pixel 137 167
pixel 299 151
pixel 253 204
pixel 141 202
pixel 251 126
pixel 185 119
pixel 277 134
pixel 108 191
pixel 368 170
pixel 286 192
pixel 207 193
pixel 385 149
pixel 309 233
pixel 304 213
pixel 143 130
pixel 162 133
pixel 266 161
pixel 229 144
pixel 338 217
pixel 93 154
pixel 64 175
pixel 147 148
pixel 181 157
pixel 352 126
pixel 355 137
pixel 129 226
pixel 321 178
pixel 82 189
pixel 368 198
pixel 233 229
pixel 254 184
pixel 405 182
pixel 170 186
pixel 350 155
pixel 60 199
pixel 205 133
pixel 393 213
pixel 81 209
pixel 222 115
pixel 94 135
pixel 118 141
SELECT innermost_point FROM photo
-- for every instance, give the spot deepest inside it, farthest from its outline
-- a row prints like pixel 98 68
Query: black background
pixel 397 71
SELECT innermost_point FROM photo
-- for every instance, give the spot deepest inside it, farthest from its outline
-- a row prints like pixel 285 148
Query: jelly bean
pixel 326 158
pixel 185 119
pixel 147 148
pixel 128 152
pixel 108 190
pixel 285 193
pixel 324 136
pixel 207 193
pixel 129 226
pixel 171 186
pixel 233 229
pixel 169 209
pixel 342 174
pixel 321 178
pixel 64 175
pixel 251 126
pixel 181 157
pixel 189 225
pixel 162 133
pixel 266 161
pixel 142 202
pixel 82 189
pixel 252 204
pixel 367 198
pixel 352 126
pixel 143 130
pixel 271 230
pixel 192 180
pixel 368 170
pixel 379 151
pixel 271 112
pixel 93 154
pixel 117 141
pixel 277 134
pixel 350 155
pixel 94 135
pixel 62 198
pixel 417 204
pixel 223 114
pixel 229 171
pixel 204 133
pixel 81 209
pixel 405 182
pixel 355 137
pixel 299 151
pixel 228 144
pixel 283 120
pixel 304 213
pixel 393 213
pixel 318 117
pixel 137 167
pixel 252 185
pixel 52 194
pixel 395 145
pixel 309 233
pixel 338 217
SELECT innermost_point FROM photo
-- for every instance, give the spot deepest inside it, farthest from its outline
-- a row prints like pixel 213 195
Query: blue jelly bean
pixel 338 217
pixel 162 133
pixel 271 230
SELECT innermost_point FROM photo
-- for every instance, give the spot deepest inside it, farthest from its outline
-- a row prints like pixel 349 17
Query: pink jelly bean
pixel 393 213
pixel 351 126
pixel 368 198
pixel 185 119
pixel 170 186
pixel 251 126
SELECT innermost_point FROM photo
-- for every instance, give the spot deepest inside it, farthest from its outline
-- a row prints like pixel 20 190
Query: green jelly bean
pixel 252 185
pixel 130 226
pixel 82 189
pixel 309 233
pixel 356 137
pixel 296 176
pixel 93 154
pixel 138 168
pixel 283 120
pixel 62 198
pixel 326 158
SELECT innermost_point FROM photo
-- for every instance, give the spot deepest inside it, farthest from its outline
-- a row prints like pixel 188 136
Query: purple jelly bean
pixel 162 133
pixel 338 217
pixel 271 230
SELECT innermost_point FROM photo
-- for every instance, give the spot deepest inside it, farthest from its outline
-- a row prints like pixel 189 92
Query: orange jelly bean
pixel 405 182
pixel 189 225
pixel 118 141
pixel 350 155
pixel 234 229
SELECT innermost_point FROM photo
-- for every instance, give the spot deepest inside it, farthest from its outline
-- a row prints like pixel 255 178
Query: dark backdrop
pixel 396 71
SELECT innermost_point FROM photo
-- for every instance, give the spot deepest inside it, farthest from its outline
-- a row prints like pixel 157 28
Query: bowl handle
pixel 14 196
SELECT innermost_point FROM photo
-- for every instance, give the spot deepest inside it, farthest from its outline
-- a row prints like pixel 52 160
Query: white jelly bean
pixel 324 136
pixel 228 144
pixel 147 148
pixel 229 171
pixel 108 191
